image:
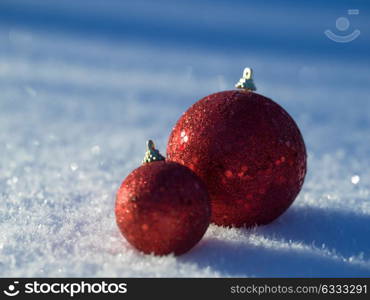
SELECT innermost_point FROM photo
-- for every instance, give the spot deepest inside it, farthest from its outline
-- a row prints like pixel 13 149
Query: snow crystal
pixel 95 150
pixel 73 166
pixel 355 179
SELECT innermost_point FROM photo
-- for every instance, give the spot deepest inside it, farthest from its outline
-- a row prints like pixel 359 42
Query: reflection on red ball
pixel 248 151
pixel 162 207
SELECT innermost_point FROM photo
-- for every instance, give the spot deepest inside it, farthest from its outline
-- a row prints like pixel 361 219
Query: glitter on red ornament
pixel 248 151
pixel 162 207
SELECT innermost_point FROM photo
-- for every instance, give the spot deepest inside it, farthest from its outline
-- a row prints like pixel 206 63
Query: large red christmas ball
pixel 248 151
pixel 162 207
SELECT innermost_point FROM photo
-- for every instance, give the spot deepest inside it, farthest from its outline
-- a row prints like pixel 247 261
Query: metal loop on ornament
pixel 246 82
pixel 152 154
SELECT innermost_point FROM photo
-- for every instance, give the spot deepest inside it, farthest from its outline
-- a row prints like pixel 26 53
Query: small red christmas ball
pixel 248 151
pixel 162 207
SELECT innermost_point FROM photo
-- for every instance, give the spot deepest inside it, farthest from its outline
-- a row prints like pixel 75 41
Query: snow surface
pixel 81 90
